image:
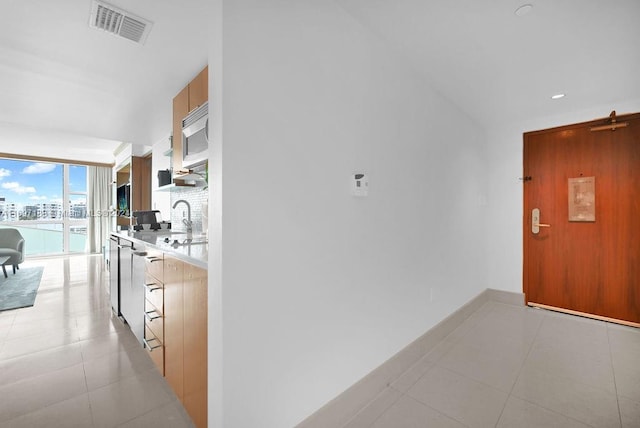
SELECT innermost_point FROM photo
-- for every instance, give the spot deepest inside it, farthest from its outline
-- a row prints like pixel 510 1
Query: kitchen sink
pixel 161 232
pixel 183 241
pixel 173 238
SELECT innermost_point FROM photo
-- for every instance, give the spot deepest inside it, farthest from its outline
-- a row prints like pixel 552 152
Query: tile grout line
pixel 433 364
pixel 3 341
pixel 436 364
pixel 363 409
pixel 472 380
pixel 437 411
pixel 524 360
pixel 546 314
pixel 455 342
pixel 613 371
pixel 49 405
pixel 86 391
pixel 75 318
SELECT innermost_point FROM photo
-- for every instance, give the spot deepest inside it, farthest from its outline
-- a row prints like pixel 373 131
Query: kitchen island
pixel 189 248
pixel 163 298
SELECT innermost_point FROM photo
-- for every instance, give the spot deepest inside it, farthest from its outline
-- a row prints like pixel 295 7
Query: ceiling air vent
pixel 119 22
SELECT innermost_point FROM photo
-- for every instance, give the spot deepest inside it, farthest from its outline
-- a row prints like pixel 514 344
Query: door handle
pixel 535 221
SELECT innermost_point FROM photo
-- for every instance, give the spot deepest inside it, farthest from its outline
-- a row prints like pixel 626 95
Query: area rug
pixel 19 290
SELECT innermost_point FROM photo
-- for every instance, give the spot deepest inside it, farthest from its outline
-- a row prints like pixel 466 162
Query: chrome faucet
pixel 187 221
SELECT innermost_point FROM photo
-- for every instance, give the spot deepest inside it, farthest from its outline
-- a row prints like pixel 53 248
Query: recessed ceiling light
pixel 557 96
pixel 523 10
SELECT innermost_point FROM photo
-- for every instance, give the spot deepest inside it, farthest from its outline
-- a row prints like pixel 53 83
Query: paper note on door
pixel 582 199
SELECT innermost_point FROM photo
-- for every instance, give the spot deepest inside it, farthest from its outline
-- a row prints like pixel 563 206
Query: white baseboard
pixel 345 406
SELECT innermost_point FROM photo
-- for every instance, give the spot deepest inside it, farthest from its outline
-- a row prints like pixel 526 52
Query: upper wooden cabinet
pixel 140 183
pixel 199 89
pixel 180 110
pixel 190 97
pixel 137 173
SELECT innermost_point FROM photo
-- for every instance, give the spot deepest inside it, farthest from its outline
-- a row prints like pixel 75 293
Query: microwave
pixel 195 137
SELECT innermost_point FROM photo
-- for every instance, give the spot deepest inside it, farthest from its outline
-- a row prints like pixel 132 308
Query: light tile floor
pixel 509 366
pixel 67 362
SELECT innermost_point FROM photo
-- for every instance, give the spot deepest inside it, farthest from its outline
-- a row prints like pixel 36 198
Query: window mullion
pixel 65 209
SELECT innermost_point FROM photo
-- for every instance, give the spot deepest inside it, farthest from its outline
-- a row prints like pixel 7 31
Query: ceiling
pixel 62 78
pixel 499 67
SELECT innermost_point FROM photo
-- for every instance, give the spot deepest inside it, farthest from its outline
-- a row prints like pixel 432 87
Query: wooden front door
pixel 588 263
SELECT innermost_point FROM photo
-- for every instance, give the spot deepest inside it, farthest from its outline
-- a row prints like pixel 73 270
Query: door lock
pixel 535 221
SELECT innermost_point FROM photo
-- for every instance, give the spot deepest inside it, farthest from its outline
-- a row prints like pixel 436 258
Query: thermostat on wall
pixel 360 186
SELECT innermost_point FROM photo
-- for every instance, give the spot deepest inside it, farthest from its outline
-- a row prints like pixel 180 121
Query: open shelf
pixel 173 187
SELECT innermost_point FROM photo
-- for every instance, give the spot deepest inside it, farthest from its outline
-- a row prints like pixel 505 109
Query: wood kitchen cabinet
pixel 154 308
pixel 180 110
pixel 195 344
pixel 137 173
pixel 190 97
pixel 199 89
pixel 140 183
pixel 174 324
pixel 176 328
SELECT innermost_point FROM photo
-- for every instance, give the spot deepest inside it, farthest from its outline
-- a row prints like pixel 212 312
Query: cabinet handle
pixel 150 287
pixel 149 347
pixel 153 259
pixel 150 318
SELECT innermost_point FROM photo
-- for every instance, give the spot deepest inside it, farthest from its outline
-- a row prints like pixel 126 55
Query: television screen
pixel 123 197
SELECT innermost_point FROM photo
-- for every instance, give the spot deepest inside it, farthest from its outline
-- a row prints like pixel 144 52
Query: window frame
pixel 66 221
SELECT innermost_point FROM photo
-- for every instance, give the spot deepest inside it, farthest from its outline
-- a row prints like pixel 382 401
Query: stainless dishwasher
pixel 135 305
pixel 114 274
pixel 130 303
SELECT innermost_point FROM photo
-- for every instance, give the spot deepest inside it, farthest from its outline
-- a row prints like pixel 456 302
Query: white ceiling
pixel 500 67
pixel 57 74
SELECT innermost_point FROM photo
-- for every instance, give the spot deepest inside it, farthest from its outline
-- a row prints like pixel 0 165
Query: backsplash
pixel 195 197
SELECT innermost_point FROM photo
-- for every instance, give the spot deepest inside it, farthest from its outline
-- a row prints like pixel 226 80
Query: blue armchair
pixel 12 246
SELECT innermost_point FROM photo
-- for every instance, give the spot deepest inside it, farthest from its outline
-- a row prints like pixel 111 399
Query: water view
pixel 44 239
pixel 42 200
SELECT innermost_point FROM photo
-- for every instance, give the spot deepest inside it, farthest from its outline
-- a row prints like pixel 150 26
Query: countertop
pixel 191 249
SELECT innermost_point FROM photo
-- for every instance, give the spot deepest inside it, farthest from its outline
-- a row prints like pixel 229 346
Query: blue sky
pixel 28 183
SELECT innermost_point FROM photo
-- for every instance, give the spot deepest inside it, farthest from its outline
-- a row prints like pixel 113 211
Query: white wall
pixel 316 287
pixel 504 225
pixel 122 158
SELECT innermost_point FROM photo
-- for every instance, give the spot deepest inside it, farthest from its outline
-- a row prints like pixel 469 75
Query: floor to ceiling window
pixel 47 203
pixel 77 208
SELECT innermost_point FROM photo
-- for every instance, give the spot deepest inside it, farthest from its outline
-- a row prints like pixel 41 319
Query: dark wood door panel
pixel 589 267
